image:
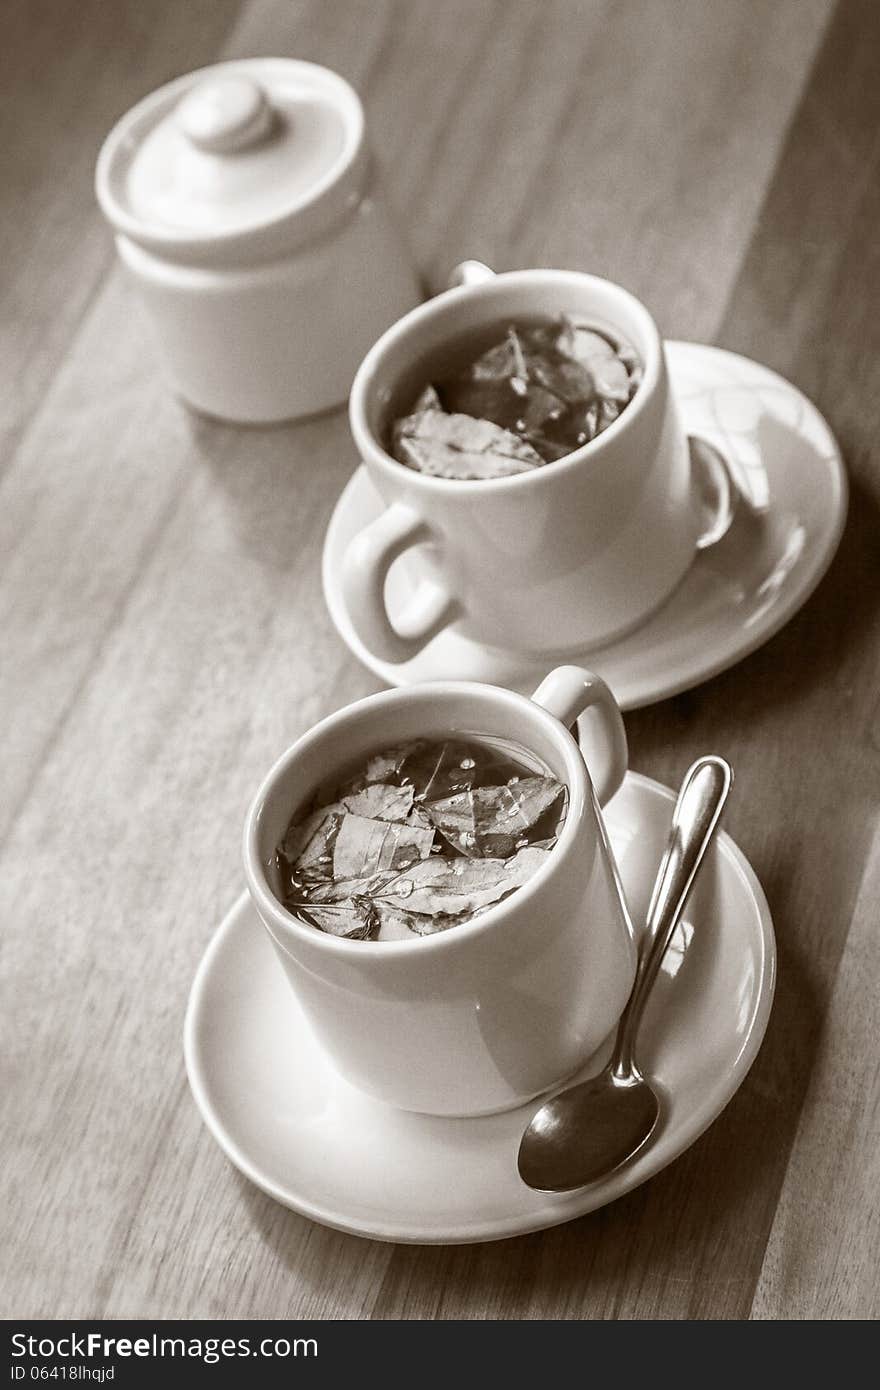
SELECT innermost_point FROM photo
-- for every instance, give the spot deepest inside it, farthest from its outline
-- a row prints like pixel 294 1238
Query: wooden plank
pixel 821 1259
pixel 803 295
pixel 136 816
pixel 798 718
pixel 67 72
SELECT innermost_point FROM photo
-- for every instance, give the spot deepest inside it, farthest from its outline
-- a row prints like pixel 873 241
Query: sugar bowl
pixel 250 214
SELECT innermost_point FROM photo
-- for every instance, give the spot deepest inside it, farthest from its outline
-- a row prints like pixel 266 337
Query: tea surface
pixel 538 394
pixel 421 837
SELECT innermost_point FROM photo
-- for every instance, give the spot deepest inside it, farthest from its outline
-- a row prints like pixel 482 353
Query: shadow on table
pixel 276 485
pixel 810 656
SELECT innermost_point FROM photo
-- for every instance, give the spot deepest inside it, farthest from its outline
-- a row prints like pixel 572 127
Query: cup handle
pixel 365 569
pixel 469 273
pixel 724 487
pixel 570 691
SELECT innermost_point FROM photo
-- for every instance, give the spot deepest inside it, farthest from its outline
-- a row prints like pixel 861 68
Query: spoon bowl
pixel 587 1131
pixel 555 1156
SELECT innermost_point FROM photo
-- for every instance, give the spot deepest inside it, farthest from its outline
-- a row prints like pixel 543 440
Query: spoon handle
pixel 697 810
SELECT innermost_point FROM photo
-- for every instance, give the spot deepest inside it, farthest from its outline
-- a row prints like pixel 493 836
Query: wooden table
pixel 164 637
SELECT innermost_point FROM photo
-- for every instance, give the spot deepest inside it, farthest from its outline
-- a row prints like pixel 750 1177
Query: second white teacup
pixel 556 560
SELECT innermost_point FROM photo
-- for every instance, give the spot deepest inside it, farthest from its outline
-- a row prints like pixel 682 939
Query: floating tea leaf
pixel 453 886
pixel 311 843
pixel 396 925
pixel 437 769
pixel 488 821
pixel 427 400
pixel 364 847
pixel 521 413
pixel 381 801
pixel 458 446
pixel 600 359
pixel 502 386
pixel 356 919
pixel 381 767
pixel 339 890
pixel 417 815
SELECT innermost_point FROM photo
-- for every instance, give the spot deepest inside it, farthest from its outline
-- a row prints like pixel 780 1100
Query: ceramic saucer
pixel 300 1132
pixel 735 596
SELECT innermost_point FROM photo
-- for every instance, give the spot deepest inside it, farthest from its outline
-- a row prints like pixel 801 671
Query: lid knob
pixel 224 114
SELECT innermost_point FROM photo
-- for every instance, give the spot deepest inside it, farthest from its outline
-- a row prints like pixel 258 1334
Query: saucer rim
pixel 556 1209
pixel 642 693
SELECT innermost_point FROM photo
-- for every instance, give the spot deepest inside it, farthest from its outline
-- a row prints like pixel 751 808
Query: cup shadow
pixel 279 499
pixel 816 644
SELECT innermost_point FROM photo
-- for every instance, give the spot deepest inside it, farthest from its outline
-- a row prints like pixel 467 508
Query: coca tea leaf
pixel 499 363
pixel 381 767
pixel 380 801
pixel 355 918
pixel 311 842
pixel 568 381
pixel 337 890
pixel 522 412
pixel 458 446
pixel 397 925
pixel 487 822
pixel 394 924
pixel 455 886
pixel 418 816
pixel 438 769
pixel 426 400
pixel 600 359
pixel 364 847
pixel 520 384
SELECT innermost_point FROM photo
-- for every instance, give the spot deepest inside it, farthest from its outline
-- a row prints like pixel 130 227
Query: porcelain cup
pixel 549 562
pixel 484 1015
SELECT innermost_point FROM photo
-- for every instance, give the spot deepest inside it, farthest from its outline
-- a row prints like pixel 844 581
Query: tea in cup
pixel 442 895
pixel 522 433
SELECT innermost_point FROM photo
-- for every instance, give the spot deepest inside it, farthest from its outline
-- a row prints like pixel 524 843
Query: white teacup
pixel 485 1015
pixel 557 560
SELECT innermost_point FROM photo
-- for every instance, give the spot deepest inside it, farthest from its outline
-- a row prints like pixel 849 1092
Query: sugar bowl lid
pixel 251 157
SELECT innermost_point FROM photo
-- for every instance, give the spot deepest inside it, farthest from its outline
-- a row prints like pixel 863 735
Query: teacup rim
pixel 369 444
pixel 578 785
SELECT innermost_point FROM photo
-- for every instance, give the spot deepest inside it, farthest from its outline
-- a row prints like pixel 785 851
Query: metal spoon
pixel 586 1132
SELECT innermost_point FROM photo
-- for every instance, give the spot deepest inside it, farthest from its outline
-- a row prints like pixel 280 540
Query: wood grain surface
pixel 165 637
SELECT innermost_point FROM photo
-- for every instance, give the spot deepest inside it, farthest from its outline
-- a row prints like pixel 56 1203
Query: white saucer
pixel 300 1132
pixel 735 595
